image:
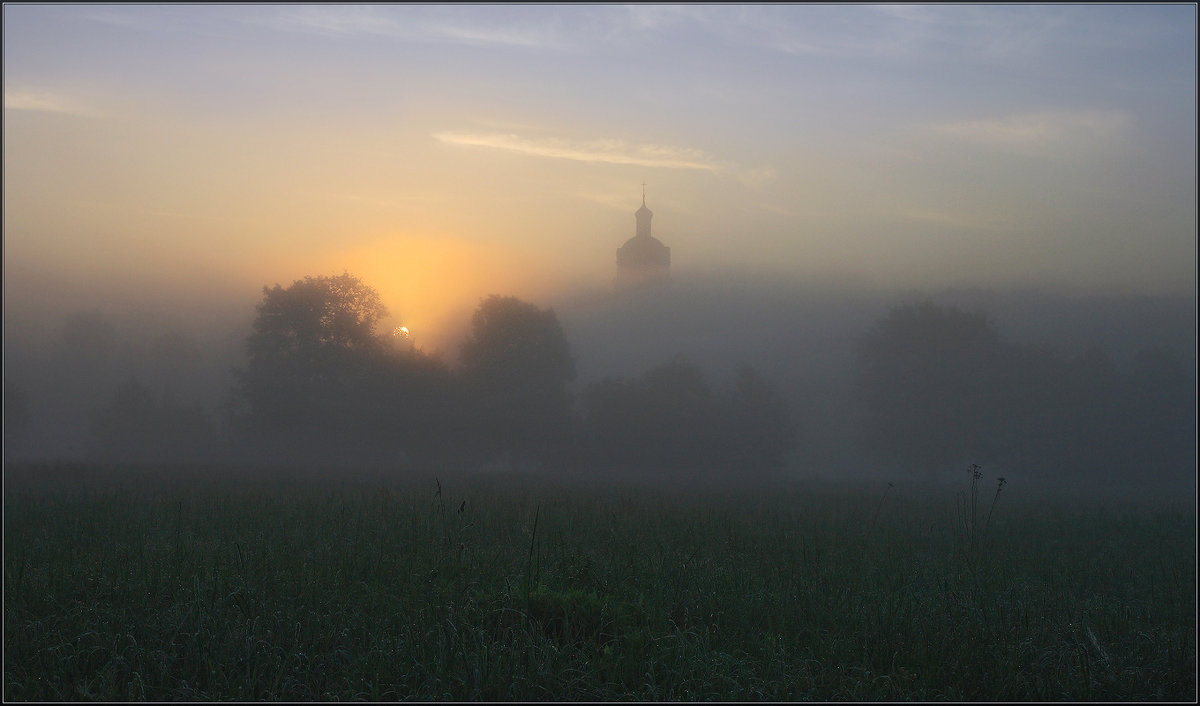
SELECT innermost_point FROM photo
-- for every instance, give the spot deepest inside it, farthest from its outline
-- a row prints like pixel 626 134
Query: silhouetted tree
pixel 322 386
pixel 928 376
pixel 670 420
pixel 316 317
pixel 85 356
pixel 311 363
pixel 1164 414
pixel 1138 424
pixel 173 355
pixel 1026 408
pixel 137 427
pixel 756 423
pixel 516 364
pixel 1091 421
pixel 940 388
pixel 411 410
pixel 661 421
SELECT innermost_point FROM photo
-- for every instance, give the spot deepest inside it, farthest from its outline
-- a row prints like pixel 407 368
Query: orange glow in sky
pixel 443 153
pixel 431 284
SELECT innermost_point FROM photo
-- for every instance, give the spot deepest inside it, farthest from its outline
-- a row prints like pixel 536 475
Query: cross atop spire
pixel 643 259
pixel 643 215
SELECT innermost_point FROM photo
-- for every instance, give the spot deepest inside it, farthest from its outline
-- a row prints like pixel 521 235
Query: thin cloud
pixel 920 33
pixel 1034 128
pixel 336 20
pixel 597 151
pixel 756 177
pixel 913 13
pixel 527 38
pixel 201 21
pixel 116 18
pixel 793 30
pixel 45 102
pixel 655 17
pixel 817 31
pixel 435 25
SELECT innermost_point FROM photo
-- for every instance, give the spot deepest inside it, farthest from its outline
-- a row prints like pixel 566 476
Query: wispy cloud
pixel 524 37
pixel 211 21
pixel 47 102
pixel 922 33
pixel 912 13
pixel 596 151
pixel 452 25
pixel 656 17
pixel 323 19
pixel 815 30
pixel 139 19
pixel 1035 128
pixel 755 177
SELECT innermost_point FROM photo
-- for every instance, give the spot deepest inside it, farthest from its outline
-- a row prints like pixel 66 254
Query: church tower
pixel 643 260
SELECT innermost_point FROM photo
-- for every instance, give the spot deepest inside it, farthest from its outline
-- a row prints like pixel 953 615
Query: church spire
pixel 643 259
pixel 643 216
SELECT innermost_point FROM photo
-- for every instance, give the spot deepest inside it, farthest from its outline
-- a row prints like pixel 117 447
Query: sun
pixel 401 332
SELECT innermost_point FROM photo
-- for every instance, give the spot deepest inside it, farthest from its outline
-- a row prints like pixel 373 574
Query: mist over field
pixel 448 352
pixel 896 241
pixel 66 359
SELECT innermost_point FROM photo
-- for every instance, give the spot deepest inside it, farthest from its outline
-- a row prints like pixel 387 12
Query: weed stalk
pixel 999 484
pixel 968 514
pixel 972 537
pixel 529 568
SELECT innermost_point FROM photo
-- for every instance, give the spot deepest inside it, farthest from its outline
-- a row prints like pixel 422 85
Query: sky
pixel 446 152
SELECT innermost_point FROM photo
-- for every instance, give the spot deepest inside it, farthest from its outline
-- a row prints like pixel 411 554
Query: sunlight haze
pixel 596 352
pixel 447 152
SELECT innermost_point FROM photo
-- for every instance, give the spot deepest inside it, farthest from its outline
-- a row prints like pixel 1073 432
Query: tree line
pixel 323 386
pixel 936 387
pixel 940 388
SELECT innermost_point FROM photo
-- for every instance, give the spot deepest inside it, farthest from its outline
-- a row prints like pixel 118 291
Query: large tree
pixel 138 426
pixel 928 376
pixel 671 420
pixel 942 391
pixel 312 360
pixel 316 316
pixel 516 365
pixel 321 385
pixel 662 421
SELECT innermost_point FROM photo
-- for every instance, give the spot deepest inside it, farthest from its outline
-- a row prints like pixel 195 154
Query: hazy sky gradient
pixel 443 153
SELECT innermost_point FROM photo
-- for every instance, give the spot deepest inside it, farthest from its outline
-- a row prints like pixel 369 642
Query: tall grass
pixel 495 589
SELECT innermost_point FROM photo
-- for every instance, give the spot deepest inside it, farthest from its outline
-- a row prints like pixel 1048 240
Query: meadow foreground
pixel 135 586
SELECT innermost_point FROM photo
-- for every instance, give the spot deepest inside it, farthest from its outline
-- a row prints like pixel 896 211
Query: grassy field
pixel 128 586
